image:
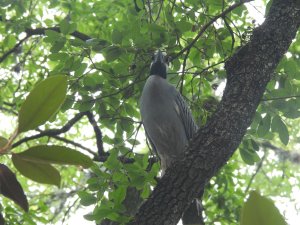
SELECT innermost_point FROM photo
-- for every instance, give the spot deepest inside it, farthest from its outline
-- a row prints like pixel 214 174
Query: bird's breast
pixel 160 118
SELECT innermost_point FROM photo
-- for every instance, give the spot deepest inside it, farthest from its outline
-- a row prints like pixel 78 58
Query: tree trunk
pixel 248 72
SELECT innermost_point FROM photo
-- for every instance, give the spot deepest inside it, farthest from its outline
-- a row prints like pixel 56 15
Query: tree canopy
pixel 71 77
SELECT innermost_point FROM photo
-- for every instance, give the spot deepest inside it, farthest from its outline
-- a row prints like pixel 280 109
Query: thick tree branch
pixel 248 72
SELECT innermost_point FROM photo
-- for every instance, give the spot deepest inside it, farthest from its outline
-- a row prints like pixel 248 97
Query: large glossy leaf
pixel 11 188
pixel 264 126
pixel 55 154
pixel 279 126
pixel 39 172
pixel 42 102
pixel 259 210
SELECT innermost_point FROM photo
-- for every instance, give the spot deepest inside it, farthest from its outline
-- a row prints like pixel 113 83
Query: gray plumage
pixel 167 120
pixel 168 123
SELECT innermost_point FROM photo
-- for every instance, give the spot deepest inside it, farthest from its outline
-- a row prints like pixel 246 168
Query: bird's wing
pixel 151 143
pixel 185 114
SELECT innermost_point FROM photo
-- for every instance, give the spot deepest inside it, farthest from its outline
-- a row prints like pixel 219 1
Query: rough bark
pixel 248 72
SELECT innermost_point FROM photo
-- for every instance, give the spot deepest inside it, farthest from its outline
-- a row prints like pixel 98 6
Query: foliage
pixel 260 210
pixel 82 66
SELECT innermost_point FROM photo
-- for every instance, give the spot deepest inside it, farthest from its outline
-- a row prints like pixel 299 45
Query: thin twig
pixel 159 10
pixel 150 12
pixel 135 137
pixel 259 166
pixel 75 144
pixel 53 132
pixel 204 28
pixel 280 98
pixel 14 49
pixel 183 69
pixel 231 33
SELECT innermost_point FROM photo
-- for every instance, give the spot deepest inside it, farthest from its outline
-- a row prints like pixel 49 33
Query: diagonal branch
pixel 248 72
pixel 12 50
pixel 214 19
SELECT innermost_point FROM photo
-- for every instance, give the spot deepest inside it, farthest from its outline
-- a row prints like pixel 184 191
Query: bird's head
pixel 159 65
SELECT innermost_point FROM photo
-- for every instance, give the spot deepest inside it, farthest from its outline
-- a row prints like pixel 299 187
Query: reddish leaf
pixel 11 188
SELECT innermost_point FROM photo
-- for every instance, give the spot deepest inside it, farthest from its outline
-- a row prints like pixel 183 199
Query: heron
pixel 167 120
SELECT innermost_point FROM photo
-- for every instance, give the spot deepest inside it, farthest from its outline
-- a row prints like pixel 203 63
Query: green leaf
pixel 58 56
pixel 146 191
pixel 39 172
pixel 254 145
pixel 279 126
pixel 9 41
pixel 264 126
pixel 3 141
pixel 184 26
pixel 92 80
pixel 87 199
pixel 268 6
pixel 112 161
pixel 116 36
pixel 58 45
pixel 80 70
pixel 11 188
pixel 85 105
pixel 259 210
pixel 42 102
pixel 249 156
pixel 55 154
pixel 67 27
pixel 97 44
pixel 156 28
pixel 112 53
pixel 239 10
pixel 52 36
pixel 103 212
pixel 119 194
pixel 68 103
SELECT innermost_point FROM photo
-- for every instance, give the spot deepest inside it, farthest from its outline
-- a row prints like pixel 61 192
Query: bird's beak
pixel 159 57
